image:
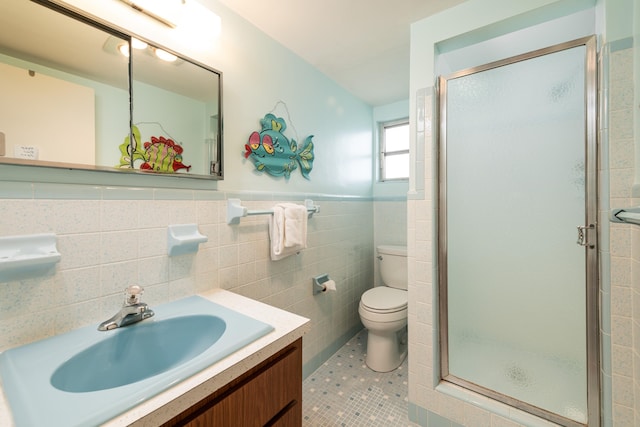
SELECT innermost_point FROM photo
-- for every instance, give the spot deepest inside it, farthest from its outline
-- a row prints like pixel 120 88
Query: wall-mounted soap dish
pixel 184 239
pixel 27 255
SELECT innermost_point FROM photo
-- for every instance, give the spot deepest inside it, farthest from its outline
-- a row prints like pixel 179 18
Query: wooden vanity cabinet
pixel 268 395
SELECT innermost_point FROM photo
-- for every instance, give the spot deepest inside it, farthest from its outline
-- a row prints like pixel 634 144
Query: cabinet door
pixel 273 390
pixel 270 395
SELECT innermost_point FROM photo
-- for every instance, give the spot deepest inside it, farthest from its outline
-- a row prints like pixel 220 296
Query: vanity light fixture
pixel 166 11
pixel 123 48
pixel 114 45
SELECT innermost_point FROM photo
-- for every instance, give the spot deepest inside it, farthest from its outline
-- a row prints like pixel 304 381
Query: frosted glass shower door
pixel 513 169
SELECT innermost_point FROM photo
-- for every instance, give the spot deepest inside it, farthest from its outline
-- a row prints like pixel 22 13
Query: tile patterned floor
pixel 344 392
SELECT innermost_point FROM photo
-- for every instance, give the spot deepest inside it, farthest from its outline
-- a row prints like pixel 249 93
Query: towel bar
pixel 235 210
pixel 627 216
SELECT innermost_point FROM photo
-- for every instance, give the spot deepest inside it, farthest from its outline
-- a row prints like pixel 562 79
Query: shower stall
pixel 517 232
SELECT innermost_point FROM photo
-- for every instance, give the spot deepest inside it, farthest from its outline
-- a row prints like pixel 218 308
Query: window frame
pixel 383 153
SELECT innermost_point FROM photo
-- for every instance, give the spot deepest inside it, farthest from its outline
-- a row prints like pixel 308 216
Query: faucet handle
pixel 133 294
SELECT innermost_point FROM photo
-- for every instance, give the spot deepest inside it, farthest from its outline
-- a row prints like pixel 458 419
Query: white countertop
pixel 165 405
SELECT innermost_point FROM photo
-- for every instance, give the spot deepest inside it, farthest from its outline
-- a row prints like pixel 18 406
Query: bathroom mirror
pixel 79 95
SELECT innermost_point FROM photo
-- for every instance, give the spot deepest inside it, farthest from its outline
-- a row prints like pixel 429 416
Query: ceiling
pixel 363 45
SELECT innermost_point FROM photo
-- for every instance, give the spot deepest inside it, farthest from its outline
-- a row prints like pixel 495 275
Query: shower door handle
pixel 582 236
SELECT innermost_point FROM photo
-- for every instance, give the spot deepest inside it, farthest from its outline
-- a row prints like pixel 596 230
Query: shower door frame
pixel 591 246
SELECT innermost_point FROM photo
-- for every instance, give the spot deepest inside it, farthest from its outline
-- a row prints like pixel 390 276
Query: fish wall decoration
pixel 157 155
pixel 272 152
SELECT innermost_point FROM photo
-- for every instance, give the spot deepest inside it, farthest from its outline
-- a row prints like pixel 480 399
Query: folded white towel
pixel 287 230
pixel 295 225
pixel 276 232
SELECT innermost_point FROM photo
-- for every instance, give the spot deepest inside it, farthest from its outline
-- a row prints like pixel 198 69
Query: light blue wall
pixel 549 33
pixel 619 17
pixel 258 72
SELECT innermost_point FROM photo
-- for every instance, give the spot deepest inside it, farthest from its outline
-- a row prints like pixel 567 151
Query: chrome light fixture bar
pixel 164 11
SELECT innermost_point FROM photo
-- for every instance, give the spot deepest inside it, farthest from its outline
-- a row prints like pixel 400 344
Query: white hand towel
pixel 276 233
pixel 287 230
pixel 295 225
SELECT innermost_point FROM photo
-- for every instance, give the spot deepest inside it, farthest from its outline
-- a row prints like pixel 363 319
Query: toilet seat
pixel 383 300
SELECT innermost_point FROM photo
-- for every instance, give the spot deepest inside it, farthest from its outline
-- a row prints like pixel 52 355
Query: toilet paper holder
pixel 318 283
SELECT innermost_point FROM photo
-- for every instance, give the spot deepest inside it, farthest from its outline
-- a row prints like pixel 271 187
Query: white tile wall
pixel 390 225
pixel 112 237
pixel 420 216
pixel 622 170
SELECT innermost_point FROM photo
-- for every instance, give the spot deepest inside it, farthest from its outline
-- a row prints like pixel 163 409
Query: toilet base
pixel 385 352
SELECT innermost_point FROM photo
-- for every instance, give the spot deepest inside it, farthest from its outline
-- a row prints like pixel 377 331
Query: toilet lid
pixel 384 299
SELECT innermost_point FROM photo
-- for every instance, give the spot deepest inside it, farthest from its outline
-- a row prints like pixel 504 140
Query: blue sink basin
pixel 122 359
pixel 86 377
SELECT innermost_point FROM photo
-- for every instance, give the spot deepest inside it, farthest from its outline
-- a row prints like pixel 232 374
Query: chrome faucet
pixel 133 310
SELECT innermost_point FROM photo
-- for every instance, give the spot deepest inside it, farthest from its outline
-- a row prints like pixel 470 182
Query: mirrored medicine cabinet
pixel 77 94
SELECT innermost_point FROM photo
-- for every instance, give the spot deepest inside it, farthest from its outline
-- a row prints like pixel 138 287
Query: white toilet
pixel 383 311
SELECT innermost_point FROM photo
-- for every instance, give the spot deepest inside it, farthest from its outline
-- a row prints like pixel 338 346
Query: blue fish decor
pixel 272 152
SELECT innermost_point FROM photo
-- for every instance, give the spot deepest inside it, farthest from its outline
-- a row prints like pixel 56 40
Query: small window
pixel 394 150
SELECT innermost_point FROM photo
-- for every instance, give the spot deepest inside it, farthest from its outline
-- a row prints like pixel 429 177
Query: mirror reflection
pixel 66 92
pixel 176 116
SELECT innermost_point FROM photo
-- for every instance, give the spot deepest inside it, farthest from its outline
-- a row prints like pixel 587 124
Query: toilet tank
pixel 393 265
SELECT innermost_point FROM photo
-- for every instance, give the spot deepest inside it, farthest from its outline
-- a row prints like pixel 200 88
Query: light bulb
pixel 165 56
pixel 138 44
pixel 123 48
